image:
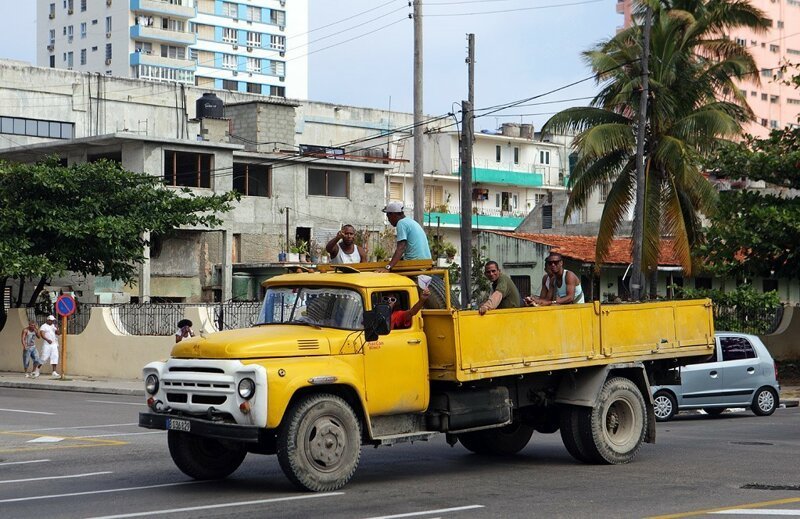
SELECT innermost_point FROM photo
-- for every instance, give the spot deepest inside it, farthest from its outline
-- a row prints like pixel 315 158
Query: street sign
pixel 65 305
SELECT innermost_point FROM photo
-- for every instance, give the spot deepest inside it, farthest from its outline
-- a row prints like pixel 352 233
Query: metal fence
pixel 747 320
pixel 236 314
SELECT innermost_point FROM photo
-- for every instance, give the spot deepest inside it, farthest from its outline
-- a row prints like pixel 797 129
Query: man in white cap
pixel 412 243
pixel 49 332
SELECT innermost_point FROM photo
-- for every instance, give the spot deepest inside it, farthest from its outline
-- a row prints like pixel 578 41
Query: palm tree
pixel 694 105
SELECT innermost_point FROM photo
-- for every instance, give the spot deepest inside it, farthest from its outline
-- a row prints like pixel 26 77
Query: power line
pixel 481 13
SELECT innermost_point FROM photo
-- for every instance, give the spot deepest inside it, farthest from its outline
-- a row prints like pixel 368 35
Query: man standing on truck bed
pixel 559 286
pixel 504 291
pixel 347 251
pixel 411 240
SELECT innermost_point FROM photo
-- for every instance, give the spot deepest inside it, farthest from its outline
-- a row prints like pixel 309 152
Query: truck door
pixel 396 365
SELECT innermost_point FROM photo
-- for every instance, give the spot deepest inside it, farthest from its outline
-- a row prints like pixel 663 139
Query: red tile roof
pixel 582 248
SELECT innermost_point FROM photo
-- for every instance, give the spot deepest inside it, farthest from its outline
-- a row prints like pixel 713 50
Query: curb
pixel 51 386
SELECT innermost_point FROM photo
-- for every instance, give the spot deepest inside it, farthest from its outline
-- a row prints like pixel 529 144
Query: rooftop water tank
pixel 210 107
pixel 526 131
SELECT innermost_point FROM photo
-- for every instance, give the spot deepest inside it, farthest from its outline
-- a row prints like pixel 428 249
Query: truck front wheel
pixel 502 441
pixel 204 458
pixel 319 443
pixel 614 429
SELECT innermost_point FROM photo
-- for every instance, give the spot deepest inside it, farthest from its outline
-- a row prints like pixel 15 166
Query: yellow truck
pixel 323 374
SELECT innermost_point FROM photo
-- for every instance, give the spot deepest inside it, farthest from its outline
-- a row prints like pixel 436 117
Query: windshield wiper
pixel 305 323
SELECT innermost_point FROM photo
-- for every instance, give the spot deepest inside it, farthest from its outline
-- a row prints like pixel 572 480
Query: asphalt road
pixel 79 455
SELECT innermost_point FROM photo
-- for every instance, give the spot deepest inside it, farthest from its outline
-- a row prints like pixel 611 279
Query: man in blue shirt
pixel 412 243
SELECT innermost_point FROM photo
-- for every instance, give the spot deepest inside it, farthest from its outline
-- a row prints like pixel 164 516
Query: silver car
pixel 741 373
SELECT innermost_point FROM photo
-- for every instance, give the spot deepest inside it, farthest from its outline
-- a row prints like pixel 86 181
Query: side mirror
pixel 377 321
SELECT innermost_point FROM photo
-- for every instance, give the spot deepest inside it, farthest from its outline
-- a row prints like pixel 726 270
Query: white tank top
pixel 343 257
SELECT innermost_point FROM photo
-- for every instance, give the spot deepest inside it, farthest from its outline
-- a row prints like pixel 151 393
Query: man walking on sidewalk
pixel 49 332
pixel 29 353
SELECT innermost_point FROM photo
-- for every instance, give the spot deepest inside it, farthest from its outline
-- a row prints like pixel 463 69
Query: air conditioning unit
pixel 108 2
pixel 249 48
pixel 282 54
pixel 250 74
pixel 69 11
pixel 234 46
pixel 52 15
pixel 108 61
pixel 235 72
pixel 281 78
pixel 283 2
pixel 108 35
pixel 50 47
pixel 281 27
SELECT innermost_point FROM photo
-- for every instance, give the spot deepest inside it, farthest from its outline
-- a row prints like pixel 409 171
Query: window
pixel 793 101
pixel 753 93
pixel 253 65
pixel 169 24
pixel 83 30
pixel 94 22
pixel 325 182
pixel 434 196
pixel 516 155
pixel 277 17
pixel 254 14
pixel 36 127
pixel 736 348
pixel 187 169
pixel 763 122
pixel 254 88
pixel 774 48
pixel 547 217
pixel 792 51
pixel 277 91
pixel 83 56
pixel 741 41
pixel 498 152
pixel 108 24
pixel 773 123
pixel 52 36
pixel 69 59
pixel 763 97
pixel 52 10
pixel 230 9
pixel 229 61
pixel 254 39
pixel 251 179
pixel 369 178
pixel 229 84
pixel 169 51
pixel 702 283
pixel 769 285
pixel 765 72
pixel 70 6
pixel 277 68
pixel 108 51
pixel 145 47
pixel 605 188
pixel 83 5
pixel 53 61
pixel 544 157
pixel 774 99
pixel 277 42
pixel 229 35
pixel 69 33
pixel 780 24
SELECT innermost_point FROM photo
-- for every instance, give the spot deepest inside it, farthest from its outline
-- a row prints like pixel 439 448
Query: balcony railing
pixel 144 32
pixel 175 8
pixel 509 173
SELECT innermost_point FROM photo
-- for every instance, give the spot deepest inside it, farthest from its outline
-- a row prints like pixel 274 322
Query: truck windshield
pixel 324 306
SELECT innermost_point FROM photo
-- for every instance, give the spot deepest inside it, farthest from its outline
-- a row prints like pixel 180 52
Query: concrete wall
pixel 101 350
pixel 784 344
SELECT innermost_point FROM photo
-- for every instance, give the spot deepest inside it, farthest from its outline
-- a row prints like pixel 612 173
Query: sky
pixel 524 48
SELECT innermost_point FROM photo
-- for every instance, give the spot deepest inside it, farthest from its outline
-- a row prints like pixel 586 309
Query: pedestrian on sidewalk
pixel 49 333
pixel 30 355
pixel 184 330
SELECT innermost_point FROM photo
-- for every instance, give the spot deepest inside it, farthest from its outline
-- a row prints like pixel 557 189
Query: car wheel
pixel 714 411
pixel 765 401
pixel 664 405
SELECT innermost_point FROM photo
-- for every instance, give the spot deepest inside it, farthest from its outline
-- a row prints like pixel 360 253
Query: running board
pixel 403 438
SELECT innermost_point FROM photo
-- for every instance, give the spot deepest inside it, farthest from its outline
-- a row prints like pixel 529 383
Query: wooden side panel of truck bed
pixel 464 346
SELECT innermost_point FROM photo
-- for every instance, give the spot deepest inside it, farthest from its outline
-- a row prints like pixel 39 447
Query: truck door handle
pixel 713 374
pixel 414 341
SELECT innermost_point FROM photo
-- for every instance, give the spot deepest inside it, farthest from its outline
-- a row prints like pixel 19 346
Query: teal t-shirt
pixel 416 242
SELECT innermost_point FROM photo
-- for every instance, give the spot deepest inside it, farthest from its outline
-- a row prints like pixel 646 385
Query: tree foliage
pixel 89 218
pixel 757 233
pixel 741 310
pixel 694 105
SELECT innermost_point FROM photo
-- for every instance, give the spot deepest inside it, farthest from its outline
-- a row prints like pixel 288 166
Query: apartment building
pixel 232 45
pixel 776 104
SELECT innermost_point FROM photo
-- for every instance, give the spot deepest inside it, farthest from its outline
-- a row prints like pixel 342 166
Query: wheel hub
pixel 326 443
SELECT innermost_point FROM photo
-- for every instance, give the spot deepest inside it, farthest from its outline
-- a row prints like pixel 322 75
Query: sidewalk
pixel 78 383
pixel 790 395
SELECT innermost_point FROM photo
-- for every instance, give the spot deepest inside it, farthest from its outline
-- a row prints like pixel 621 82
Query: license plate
pixel 173 424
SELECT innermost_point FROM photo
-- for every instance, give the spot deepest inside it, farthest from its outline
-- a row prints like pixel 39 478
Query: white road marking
pixel 429 512
pixel 46 439
pixel 112 402
pixel 759 511
pixel 90 492
pixel 22 462
pixel 24 411
pixel 217 506
pixel 121 434
pixel 56 477
pixel 80 427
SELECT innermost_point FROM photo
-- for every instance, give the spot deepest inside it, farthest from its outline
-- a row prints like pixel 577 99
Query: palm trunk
pixel 19 292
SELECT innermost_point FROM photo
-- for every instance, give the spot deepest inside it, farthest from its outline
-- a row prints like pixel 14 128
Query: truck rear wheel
pixel 501 441
pixel 614 429
pixel 204 458
pixel 570 432
pixel 319 443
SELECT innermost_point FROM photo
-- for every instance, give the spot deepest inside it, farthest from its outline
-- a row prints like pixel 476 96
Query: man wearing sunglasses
pixel 403 318
pixel 559 286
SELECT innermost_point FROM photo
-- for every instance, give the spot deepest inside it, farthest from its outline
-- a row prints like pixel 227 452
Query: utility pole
pixel 467 136
pixel 419 179
pixel 637 279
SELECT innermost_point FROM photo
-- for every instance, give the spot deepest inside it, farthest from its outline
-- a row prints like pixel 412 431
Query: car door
pixel 701 384
pixel 396 370
pixel 740 370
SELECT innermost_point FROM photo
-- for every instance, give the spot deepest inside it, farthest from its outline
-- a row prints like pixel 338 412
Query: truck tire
pixel 438 298
pixel 765 401
pixel 614 429
pixel 319 443
pixel 570 432
pixel 501 441
pixel 204 458
pixel 664 405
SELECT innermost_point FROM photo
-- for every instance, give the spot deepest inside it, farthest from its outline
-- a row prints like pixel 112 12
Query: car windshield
pixel 313 306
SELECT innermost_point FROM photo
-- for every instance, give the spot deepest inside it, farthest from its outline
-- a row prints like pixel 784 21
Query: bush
pixel 742 310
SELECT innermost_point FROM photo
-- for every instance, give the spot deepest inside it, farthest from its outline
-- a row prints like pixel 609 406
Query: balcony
pixel 143 58
pixel 489 218
pixel 509 174
pixel 165 7
pixel 151 33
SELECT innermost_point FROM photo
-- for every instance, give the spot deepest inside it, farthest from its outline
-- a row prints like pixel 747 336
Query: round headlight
pixel 247 388
pixel 151 384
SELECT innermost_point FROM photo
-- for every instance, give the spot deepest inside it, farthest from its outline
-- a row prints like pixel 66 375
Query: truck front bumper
pixel 200 427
